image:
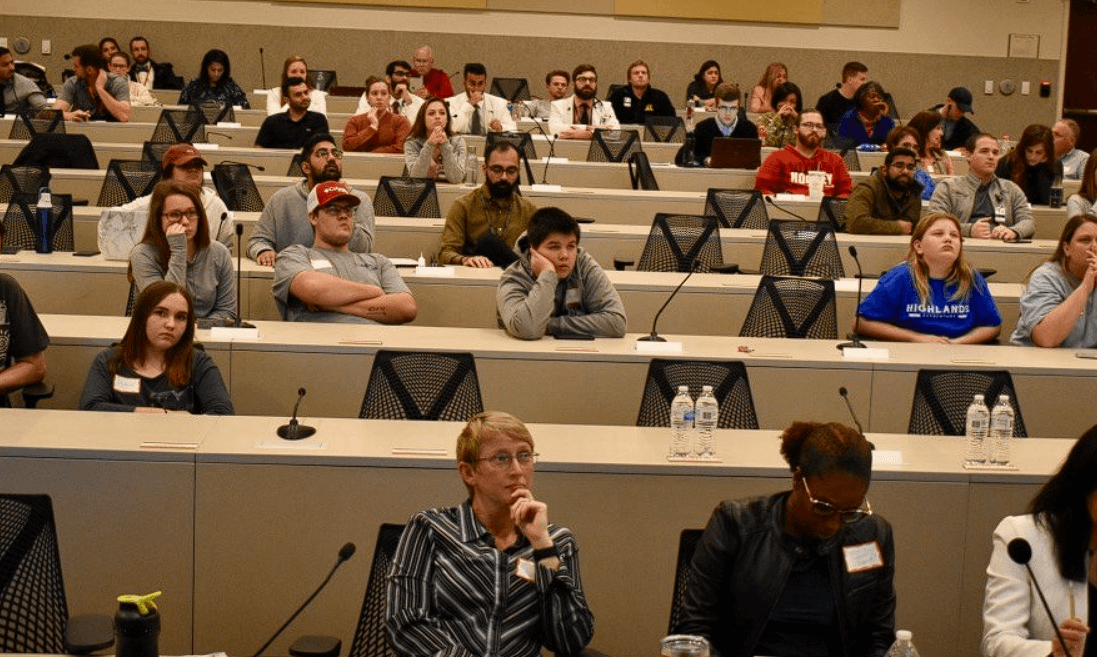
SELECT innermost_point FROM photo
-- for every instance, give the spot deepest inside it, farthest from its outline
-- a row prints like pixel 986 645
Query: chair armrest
pixel 87 633
pixel 33 394
pixel 313 645
pixel 620 264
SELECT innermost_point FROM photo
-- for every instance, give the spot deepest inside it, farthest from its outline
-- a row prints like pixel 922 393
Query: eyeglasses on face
pixel 503 460
pixel 818 127
pixel 826 509
pixel 177 215
pixel 324 153
pixel 501 170
pixel 336 210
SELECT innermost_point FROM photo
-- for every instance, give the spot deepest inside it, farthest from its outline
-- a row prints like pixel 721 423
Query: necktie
pixel 395 107
pixel 584 116
pixel 477 124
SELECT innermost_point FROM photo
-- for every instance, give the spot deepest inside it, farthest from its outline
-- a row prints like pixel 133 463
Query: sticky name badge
pixel 865 556
pixel 127 385
pixel 526 570
pixel 320 264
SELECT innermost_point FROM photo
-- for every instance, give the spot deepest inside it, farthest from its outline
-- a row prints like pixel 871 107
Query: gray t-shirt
pixel 21 91
pixel 75 93
pixel 285 221
pixel 209 277
pixel 1048 287
pixel 369 268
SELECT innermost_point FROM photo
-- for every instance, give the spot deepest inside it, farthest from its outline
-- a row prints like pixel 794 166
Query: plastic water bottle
pixel 903 646
pixel 1055 198
pixel 1001 430
pixel 706 413
pixel 42 242
pixel 681 422
pixel 471 173
pixel 978 427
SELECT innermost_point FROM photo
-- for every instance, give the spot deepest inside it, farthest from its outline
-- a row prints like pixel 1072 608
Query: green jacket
pixel 873 210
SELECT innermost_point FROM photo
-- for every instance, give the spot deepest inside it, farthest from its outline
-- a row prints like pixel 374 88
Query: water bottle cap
pixel 978 398
pixel 1003 399
pixel 706 388
pixel 683 388
pixel 904 635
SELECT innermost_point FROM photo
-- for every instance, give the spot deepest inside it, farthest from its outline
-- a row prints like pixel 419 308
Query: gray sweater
pixel 209 277
pixel 956 196
pixel 285 221
pixel 418 155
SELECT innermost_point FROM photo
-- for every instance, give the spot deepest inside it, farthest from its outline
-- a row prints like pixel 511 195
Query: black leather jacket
pixel 743 561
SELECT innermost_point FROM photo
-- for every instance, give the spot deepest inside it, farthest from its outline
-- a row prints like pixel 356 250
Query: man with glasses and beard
pixel 786 170
pixel 890 201
pixel 577 116
pixel 285 218
pixel 483 226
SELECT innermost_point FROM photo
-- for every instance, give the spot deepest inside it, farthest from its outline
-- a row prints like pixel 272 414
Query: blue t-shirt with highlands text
pixel 895 301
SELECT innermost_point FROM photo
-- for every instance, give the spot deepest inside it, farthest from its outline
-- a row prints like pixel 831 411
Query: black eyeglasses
pixel 826 509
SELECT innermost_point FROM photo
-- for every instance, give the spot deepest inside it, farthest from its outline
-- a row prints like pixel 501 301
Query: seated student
pixel 491 576
pixel 761 95
pixel 889 202
pixel 1061 530
pixel 140 96
pixel 1058 308
pixel 935 158
pixel 1085 201
pixel 156 367
pixel 176 247
pixel 778 127
pixel 431 149
pixel 380 130
pixel 214 83
pixel 326 281
pixel 775 575
pixel 730 121
pixel 786 170
pixel 904 136
pixel 703 86
pixel 23 339
pixel 636 101
pixel 557 287
pixel 868 122
pixel 1030 164
pixel 296 67
pixel 293 127
pixel 935 296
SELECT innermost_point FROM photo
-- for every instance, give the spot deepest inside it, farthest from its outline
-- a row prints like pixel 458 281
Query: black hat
pixel 962 97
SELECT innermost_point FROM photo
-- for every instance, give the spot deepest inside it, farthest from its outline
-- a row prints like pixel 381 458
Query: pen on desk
pixel 1070 586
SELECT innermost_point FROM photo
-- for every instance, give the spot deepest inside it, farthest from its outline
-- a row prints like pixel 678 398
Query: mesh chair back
pixel 175 125
pixel 22 180
pixel 852 160
pixel 131 299
pixel 941 399
pixel 687 545
pixel 666 129
pixel 613 145
pixel 28 124
pixel 406 197
pixel 37 73
pixel 893 109
pixel 325 79
pixel 126 180
pixel 676 241
pixel 369 636
pixel 792 308
pixel 728 379
pixel 153 151
pixel 833 211
pixel 32 591
pixel 236 187
pixel 407 385
pixel 21 222
pixel 295 166
pixel 523 141
pixel 513 89
pixel 58 151
pixel 215 112
pixel 737 208
pixel 640 173
pixel 801 248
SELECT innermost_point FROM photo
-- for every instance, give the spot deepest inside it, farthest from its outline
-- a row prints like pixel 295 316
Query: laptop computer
pixel 735 153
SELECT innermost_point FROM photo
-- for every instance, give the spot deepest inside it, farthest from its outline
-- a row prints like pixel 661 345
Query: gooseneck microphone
pixel 769 199
pixel 263 67
pixel 295 430
pixel 845 397
pixel 654 337
pixel 239 322
pixel 855 339
pixel 552 151
pixel 245 164
pixel 345 553
pixel 1020 551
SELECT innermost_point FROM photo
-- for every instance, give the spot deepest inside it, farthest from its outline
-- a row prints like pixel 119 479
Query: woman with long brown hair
pixel 932 154
pixel 1032 164
pixel 431 149
pixel 761 96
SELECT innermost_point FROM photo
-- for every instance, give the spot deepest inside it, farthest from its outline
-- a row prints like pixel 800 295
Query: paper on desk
pixel 887 457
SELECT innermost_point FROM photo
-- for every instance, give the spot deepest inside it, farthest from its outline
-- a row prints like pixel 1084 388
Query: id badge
pixel 127 385
pixel 527 570
pixel 865 556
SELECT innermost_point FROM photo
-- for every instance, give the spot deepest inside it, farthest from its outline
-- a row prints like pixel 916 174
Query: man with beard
pixel 285 218
pixel 576 116
pixel 93 94
pixel 291 128
pixel 17 92
pixel 154 75
pixel 483 226
pixel 786 170
pixel 890 201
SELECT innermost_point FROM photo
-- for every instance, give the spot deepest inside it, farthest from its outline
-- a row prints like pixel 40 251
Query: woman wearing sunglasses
pixel 802 573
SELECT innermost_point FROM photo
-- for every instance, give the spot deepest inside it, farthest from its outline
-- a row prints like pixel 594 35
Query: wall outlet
pixel 988 87
pixel 1026 88
pixel 47 46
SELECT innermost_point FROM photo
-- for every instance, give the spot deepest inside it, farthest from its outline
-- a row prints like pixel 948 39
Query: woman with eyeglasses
pixel 802 573
pixel 156 367
pixel 491 576
pixel 1060 533
pixel 177 247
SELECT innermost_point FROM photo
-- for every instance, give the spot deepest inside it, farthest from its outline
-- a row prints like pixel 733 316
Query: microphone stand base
pixel 646 345
pixel 295 431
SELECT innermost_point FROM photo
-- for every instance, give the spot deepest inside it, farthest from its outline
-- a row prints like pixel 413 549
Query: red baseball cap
pixel 328 192
pixel 181 154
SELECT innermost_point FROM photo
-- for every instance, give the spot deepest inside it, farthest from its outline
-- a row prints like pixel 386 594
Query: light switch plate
pixel 988 87
pixel 47 46
pixel 1026 88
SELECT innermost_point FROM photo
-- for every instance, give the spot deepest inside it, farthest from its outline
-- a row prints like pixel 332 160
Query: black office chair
pixel 408 385
pixel 325 79
pixel 687 545
pixel 613 145
pixel 153 151
pixel 127 180
pixel 34 615
pixel 677 241
pixel 295 171
pixel 236 187
pixel 801 248
pixel 29 123
pixel 942 397
pixel 37 73
pixel 792 308
pixel 833 211
pixel 215 112
pixel 513 89
pixel 640 173
pixel 406 197
pixel 22 180
pixel 737 208
pixel 523 141
pixel 665 129
pixel 176 125
pixel 728 379
pixel 21 222
pixel 852 160
pixel 57 150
